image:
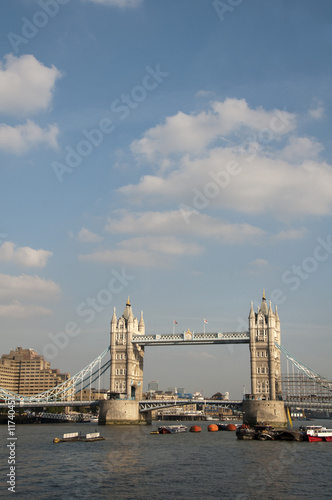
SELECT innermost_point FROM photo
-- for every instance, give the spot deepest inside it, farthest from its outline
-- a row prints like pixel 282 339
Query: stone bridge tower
pixel 126 358
pixel 264 404
pixel 264 329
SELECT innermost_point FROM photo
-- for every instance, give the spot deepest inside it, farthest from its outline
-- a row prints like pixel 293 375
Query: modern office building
pixel 153 385
pixel 27 373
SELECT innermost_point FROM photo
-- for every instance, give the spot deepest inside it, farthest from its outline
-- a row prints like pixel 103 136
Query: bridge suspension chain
pixel 322 381
pixel 66 389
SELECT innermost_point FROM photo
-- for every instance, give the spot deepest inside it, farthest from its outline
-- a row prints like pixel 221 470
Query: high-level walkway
pixel 191 338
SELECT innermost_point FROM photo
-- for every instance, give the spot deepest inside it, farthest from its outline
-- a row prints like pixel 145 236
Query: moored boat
pixel 171 429
pixel 315 433
pixel 259 432
pixel 75 436
pixel 244 432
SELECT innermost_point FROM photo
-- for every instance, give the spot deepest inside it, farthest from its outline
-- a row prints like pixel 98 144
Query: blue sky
pixel 176 152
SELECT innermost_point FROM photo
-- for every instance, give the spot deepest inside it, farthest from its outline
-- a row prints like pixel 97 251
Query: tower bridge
pixel 128 342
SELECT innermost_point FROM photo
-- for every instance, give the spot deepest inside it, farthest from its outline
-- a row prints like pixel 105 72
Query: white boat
pixel 318 433
pixel 172 429
pixel 75 437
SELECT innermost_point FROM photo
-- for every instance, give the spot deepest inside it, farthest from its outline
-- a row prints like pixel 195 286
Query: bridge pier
pixel 270 412
pixel 120 411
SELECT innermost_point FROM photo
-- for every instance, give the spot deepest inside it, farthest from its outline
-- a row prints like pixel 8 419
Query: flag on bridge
pixel 205 321
pixel 175 322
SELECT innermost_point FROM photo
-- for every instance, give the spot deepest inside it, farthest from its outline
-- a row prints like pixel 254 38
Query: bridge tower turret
pixel 264 330
pixel 126 358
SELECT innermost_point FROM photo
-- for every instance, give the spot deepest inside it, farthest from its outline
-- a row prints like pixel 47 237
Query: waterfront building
pixel 27 373
pixel 90 395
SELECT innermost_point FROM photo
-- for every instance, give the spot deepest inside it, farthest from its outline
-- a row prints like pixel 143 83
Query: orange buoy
pixel 213 428
pixel 231 427
pixel 195 428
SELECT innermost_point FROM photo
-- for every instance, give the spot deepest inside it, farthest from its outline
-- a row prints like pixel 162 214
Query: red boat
pixel 318 433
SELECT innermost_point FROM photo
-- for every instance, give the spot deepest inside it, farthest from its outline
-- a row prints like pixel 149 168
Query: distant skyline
pixel 176 152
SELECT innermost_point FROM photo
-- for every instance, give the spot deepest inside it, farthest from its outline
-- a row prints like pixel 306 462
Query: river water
pixel 133 464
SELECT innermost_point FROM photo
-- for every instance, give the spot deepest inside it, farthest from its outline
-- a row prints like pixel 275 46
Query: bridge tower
pixel 265 401
pixel 126 358
pixel 264 330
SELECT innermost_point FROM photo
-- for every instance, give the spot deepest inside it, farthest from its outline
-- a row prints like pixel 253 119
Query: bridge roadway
pixel 47 404
pixel 192 338
pixel 152 404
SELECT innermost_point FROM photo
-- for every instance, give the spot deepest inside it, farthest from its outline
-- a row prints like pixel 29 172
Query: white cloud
pixel 86 236
pixel 183 133
pixel 204 94
pixel 117 3
pixel 318 112
pixel 22 138
pixel 200 165
pixel 181 222
pixel 26 85
pixel 24 256
pixel 290 234
pixel 161 237
pixel 146 251
pixel 139 258
pixel 28 288
pixel 162 244
pixel 20 311
pixel 301 148
pixel 262 184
